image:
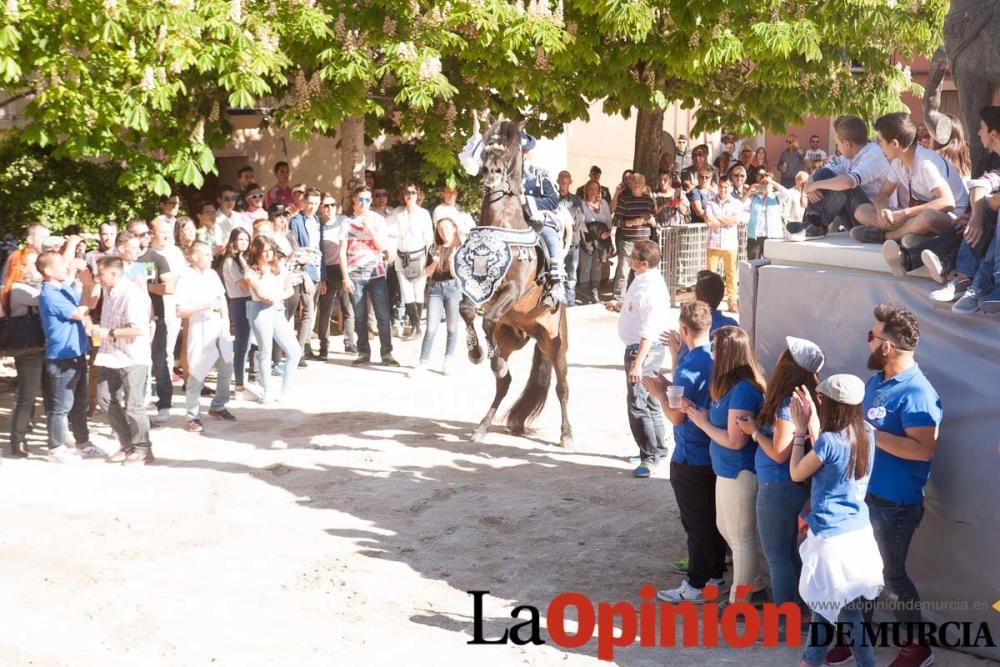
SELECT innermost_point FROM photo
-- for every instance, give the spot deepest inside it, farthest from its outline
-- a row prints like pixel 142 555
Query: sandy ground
pixel 345 529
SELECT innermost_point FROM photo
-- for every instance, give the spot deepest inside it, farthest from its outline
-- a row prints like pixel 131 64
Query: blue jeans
pixel 970 257
pixel 447 297
pixel 377 291
pixel 572 262
pixel 894 526
pixel 27 389
pixel 864 653
pixel 66 400
pixel 269 326
pixel 987 275
pixel 778 507
pixel 645 416
pixel 161 366
pixel 553 243
pixel 835 203
pixel 241 340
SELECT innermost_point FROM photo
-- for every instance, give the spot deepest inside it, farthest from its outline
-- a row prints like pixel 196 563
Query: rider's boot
pixel 555 293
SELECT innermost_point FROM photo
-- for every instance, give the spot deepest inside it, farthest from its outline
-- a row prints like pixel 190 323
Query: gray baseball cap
pixel 805 353
pixel 843 388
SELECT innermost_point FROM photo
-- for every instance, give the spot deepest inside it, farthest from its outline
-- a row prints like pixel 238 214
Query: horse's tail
pixel 531 401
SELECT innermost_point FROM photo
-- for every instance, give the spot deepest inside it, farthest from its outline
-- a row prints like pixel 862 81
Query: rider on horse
pixel 540 202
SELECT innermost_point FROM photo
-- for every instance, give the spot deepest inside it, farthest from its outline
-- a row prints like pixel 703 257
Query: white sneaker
pixel 934 266
pixel 951 291
pixel 64 454
pixel 91 451
pixel 719 583
pixel 162 416
pixel 893 256
pixel 683 593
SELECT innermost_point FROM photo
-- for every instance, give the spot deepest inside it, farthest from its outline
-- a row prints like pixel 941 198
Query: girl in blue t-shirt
pixel 737 390
pixel 779 499
pixel 840 558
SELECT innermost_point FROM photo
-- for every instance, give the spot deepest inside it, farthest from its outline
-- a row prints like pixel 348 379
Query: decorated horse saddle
pixel 483 259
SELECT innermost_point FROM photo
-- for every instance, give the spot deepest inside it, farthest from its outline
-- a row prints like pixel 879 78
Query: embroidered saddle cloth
pixel 482 260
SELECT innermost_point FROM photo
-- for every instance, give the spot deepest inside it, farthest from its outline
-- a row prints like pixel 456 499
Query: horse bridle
pixel 495 194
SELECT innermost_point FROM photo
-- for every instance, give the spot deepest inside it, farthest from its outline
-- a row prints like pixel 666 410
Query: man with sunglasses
pixel 332 293
pixel 253 196
pixel 227 218
pixel 906 412
pixel 814 152
pixel 307 232
pixel 790 162
pixel 159 281
pixel 380 202
pixel 362 249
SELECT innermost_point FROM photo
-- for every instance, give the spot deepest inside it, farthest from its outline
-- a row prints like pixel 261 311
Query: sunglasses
pixel 364 200
pixel 872 336
pixel 257 195
pixel 172 202
pixel 231 198
pixel 410 192
pixel 145 233
pixel 329 203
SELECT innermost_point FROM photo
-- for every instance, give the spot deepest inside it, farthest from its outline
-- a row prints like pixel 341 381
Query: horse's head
pixel 502 158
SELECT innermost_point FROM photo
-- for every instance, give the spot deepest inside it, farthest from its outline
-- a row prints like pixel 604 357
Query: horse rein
pixel 492 194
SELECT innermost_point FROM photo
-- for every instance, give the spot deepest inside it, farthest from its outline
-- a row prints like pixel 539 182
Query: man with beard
pixel 906 412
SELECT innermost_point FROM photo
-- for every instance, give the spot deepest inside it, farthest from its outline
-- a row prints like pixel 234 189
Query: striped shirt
pixel 126 306
pixel 630 207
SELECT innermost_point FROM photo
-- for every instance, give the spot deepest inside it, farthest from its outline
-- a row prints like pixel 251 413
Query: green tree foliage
pixel 36 187
pixel 403 162
pixel 147 82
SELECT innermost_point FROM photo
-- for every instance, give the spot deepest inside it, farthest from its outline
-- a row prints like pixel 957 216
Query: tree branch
pixel 15 98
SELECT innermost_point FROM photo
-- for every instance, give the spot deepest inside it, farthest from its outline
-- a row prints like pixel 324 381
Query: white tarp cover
pixel 956 550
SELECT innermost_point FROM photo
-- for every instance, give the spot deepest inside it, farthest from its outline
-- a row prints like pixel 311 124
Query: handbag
pixel 413 263
pixel 22 334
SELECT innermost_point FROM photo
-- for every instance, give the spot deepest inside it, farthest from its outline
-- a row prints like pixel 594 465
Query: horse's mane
pixel 506 134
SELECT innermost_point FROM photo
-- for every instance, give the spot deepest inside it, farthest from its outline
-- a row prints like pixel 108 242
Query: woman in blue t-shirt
pixel 779 499
pixel 737 390
pixel 840 558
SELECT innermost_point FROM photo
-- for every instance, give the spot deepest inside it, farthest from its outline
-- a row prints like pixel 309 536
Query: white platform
pixel 836 250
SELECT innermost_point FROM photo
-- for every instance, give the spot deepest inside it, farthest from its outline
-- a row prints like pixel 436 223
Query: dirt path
pixel 344 529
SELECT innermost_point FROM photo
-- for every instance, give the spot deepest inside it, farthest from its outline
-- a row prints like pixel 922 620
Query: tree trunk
pixel 648 143
pixel 352 154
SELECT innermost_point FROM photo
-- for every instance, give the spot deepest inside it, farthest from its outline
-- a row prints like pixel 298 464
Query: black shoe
pixel 361 361
pixel 815 231
pixel 390 361
pixel 350 349
pixel 324 353
pixel 303 363
pixel 18 451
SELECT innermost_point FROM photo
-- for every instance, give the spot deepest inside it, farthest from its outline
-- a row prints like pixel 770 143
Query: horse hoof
pixel 566 442
pixel 476 355
pixel 478 435
pixel 518 431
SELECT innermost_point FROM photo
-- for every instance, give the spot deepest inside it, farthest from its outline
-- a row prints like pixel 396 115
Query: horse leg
pixel 504 347
pixel 560 366
pixel 496 309
pixel 468 312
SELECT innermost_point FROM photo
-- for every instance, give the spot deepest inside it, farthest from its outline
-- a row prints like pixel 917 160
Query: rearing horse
pixel 513 315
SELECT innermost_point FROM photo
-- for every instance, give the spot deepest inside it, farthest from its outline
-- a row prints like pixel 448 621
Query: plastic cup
pixel 675 397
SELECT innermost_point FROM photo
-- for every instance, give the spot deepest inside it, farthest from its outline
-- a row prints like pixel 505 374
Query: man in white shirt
pixel 814 152
pixel 227 218
pixel 643 318
pixel 201 299
pixel 932 192
pixel 448 208
pixel 723 217
pixel 123 360
pixel 840 190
